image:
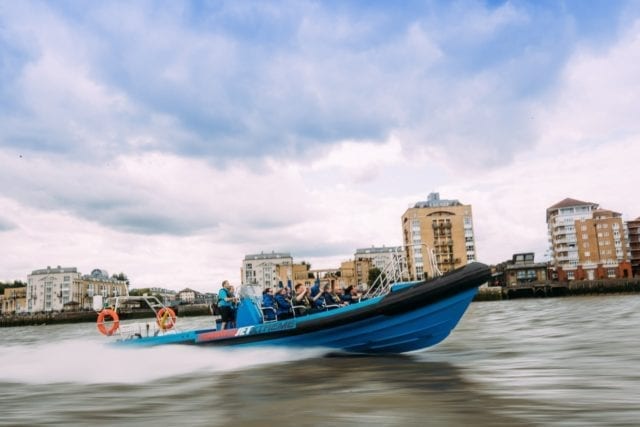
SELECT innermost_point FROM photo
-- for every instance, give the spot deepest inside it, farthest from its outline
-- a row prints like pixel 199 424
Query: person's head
pixel 354 291
pixel 299 287
pixel 267 291
pixel 284 290
pixel 327 288
pixel 225 284
pixel 338 290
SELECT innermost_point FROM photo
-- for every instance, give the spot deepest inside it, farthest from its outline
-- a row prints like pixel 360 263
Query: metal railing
pixel 394 271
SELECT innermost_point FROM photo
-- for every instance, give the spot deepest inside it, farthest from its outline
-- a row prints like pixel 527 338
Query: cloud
pixel 597 102
pixel 6 225
pixel 206 82
pixel 168 140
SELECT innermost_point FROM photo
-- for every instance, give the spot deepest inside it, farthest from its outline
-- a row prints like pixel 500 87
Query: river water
pixel 552 362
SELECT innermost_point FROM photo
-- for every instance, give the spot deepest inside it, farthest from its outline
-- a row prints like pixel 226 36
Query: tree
pixel 15 284
pixel 121 276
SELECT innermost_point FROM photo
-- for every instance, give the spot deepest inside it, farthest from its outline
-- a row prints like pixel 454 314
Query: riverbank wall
pixel 559 289
pixel 56 318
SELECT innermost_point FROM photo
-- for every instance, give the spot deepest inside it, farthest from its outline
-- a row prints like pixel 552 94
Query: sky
pixel 169 139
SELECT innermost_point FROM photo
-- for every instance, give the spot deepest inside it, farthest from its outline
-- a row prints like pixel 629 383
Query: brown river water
pixel 548 362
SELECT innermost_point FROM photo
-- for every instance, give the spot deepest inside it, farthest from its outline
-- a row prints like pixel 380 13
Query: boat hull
pixel 408 319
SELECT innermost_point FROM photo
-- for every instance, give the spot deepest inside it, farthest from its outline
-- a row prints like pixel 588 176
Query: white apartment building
pixel 561 223
pixel 267 269
pixel 49 289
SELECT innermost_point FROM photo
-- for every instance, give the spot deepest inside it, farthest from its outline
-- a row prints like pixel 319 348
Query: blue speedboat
pixel 410 316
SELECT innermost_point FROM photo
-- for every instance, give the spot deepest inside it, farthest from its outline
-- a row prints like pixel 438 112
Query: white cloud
pixel 597 101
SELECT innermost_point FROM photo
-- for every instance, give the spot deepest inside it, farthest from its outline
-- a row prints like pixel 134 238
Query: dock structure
pixel 576 287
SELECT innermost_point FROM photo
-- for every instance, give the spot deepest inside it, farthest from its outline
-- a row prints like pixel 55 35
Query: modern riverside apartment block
pixel 438 235
pixel 64 288
pixel 49 289
pixel 587 242
pixel 633 228
pixel 267 269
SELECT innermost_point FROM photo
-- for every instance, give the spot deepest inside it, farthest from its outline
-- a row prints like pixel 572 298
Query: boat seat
pixel 299 310
pixel 268 312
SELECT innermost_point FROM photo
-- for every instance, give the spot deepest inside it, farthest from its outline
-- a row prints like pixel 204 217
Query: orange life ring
pixel 108 312
pixel 166 318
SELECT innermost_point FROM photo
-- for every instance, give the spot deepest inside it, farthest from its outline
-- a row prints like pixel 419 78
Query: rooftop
pixel 569 202
pixel 271 255
pixel 55 270
pixel 379 250
pixel 434 201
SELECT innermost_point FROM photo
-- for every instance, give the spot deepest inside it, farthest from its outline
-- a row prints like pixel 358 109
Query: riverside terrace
pixel 557 289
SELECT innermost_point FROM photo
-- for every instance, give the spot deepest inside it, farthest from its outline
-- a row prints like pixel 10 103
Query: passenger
pixel 347 294
pixel 339 292
pixel 316 299
pixel 351 295
pixel 283 303
pixel 355 295
pixel 315 290
pixel 234 306
pixel 225 305
pixel 269 303
pixel 331 298
pixel 301 298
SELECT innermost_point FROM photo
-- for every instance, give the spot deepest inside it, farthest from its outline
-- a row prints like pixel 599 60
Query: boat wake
pixel 95 362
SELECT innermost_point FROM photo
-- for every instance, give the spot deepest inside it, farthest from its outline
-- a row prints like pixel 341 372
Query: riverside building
pixel 634 245
pixel 13 300
pixel 438 235
pixel 55 289
pixel 393 258
pixel 587 242
pixel 268 269
pixel 49 289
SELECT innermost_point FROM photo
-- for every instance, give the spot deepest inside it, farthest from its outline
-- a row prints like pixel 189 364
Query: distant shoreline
pixel 57 318
pixel 492 293
pixel 557 289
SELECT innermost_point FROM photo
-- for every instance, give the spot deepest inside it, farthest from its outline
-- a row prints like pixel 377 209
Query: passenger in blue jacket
pixel 269 308
pixel 284 304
